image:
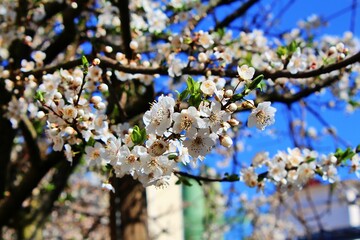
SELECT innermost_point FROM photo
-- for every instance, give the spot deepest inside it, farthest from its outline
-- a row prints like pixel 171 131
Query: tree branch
pixel 107 62
pixel 236 14
pixel 11 204
pixel 123 6
pixel 204 179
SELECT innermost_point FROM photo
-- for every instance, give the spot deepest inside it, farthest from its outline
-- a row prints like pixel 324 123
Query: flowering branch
pixel 231 178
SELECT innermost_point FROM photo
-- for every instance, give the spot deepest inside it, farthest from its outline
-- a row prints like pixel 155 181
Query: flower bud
pixel 103 87
pixel 134 45
pixel 69 130
pixel 228 93
pixel 57 95
pixel 108 49
pixel 96 99
pixel 96 61
pixel 233 122
pixel 77 81
pixel 40 114
pixel 202 57
pixel 100 106
pixel 332 50
pixel 225 126
pixel 340 47
pixel 232 107
pixel 226 141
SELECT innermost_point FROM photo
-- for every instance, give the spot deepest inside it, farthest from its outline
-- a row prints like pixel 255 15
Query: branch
pixel 7 134
pixel 107 62
pixel 290 98
pixel 236 14
pixel 29 134
pixel 205 179
pixel 312 73
pixel 10 205
pixel 68 35
pixel 123 6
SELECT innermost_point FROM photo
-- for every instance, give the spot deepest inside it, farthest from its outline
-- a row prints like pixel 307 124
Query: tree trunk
pixel 128 210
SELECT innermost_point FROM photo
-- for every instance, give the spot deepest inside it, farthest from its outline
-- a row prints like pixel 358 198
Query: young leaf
pixel 254 84
pixel 85 64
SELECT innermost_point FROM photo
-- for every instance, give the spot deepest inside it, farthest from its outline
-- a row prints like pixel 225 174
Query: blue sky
pixel 339 21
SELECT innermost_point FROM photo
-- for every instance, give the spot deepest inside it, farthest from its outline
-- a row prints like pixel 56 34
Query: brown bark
pixel 133 209
pixel 128 210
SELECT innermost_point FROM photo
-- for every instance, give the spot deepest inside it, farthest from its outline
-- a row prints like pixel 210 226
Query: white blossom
pixel 159 118
pixel 262 116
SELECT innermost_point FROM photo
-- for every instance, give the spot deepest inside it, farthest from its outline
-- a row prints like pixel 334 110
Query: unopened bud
pixel 229 93
pixel 233 122
pixel 342 56
pixel 202 57
pixel 146 63
pixel 225 126
pixel 96 62
pixel 247 105
pixel 332 50
pixel 340 47
pixel 96 99
pixel 100 106
pixel 57 95
pixel 226 141
pixel 40 114
pixel 108 49
pixel 103 87
pixel 134 45
pixel 232 107
pixel 69 130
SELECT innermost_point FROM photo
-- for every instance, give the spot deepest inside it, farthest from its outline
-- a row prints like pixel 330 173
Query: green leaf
pixel 184 95
pixel 262 176
pixel 292 46
pixel 49 187
pixel 282 51
pixel 221 32
pixel 138 136
pixel 190 84
pixel 172 156
pixel 254 84
pixel 237 97
pixel 232 177
pixel 357 149
pixel 39 96
pixel 183 180
pixel 342 155
pixel 310 160
pixel 187 40
pixel 85 64
pixel 195 100
pixel 84 61
pixel 91 142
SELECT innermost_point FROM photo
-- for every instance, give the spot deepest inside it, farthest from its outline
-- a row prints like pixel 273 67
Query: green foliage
pixel 192 93
pixel 232 177
pixel 85 64
pixel 342 155
pixel 183 180
pixel 49 187
pixel 256 83
pixel 138 136
pixel 39 95
pixel 310 160
pixel 288 50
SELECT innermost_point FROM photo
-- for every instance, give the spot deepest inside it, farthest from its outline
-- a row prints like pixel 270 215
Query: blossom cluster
pixel 74 109
pixel 291 170
pixel 176 129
